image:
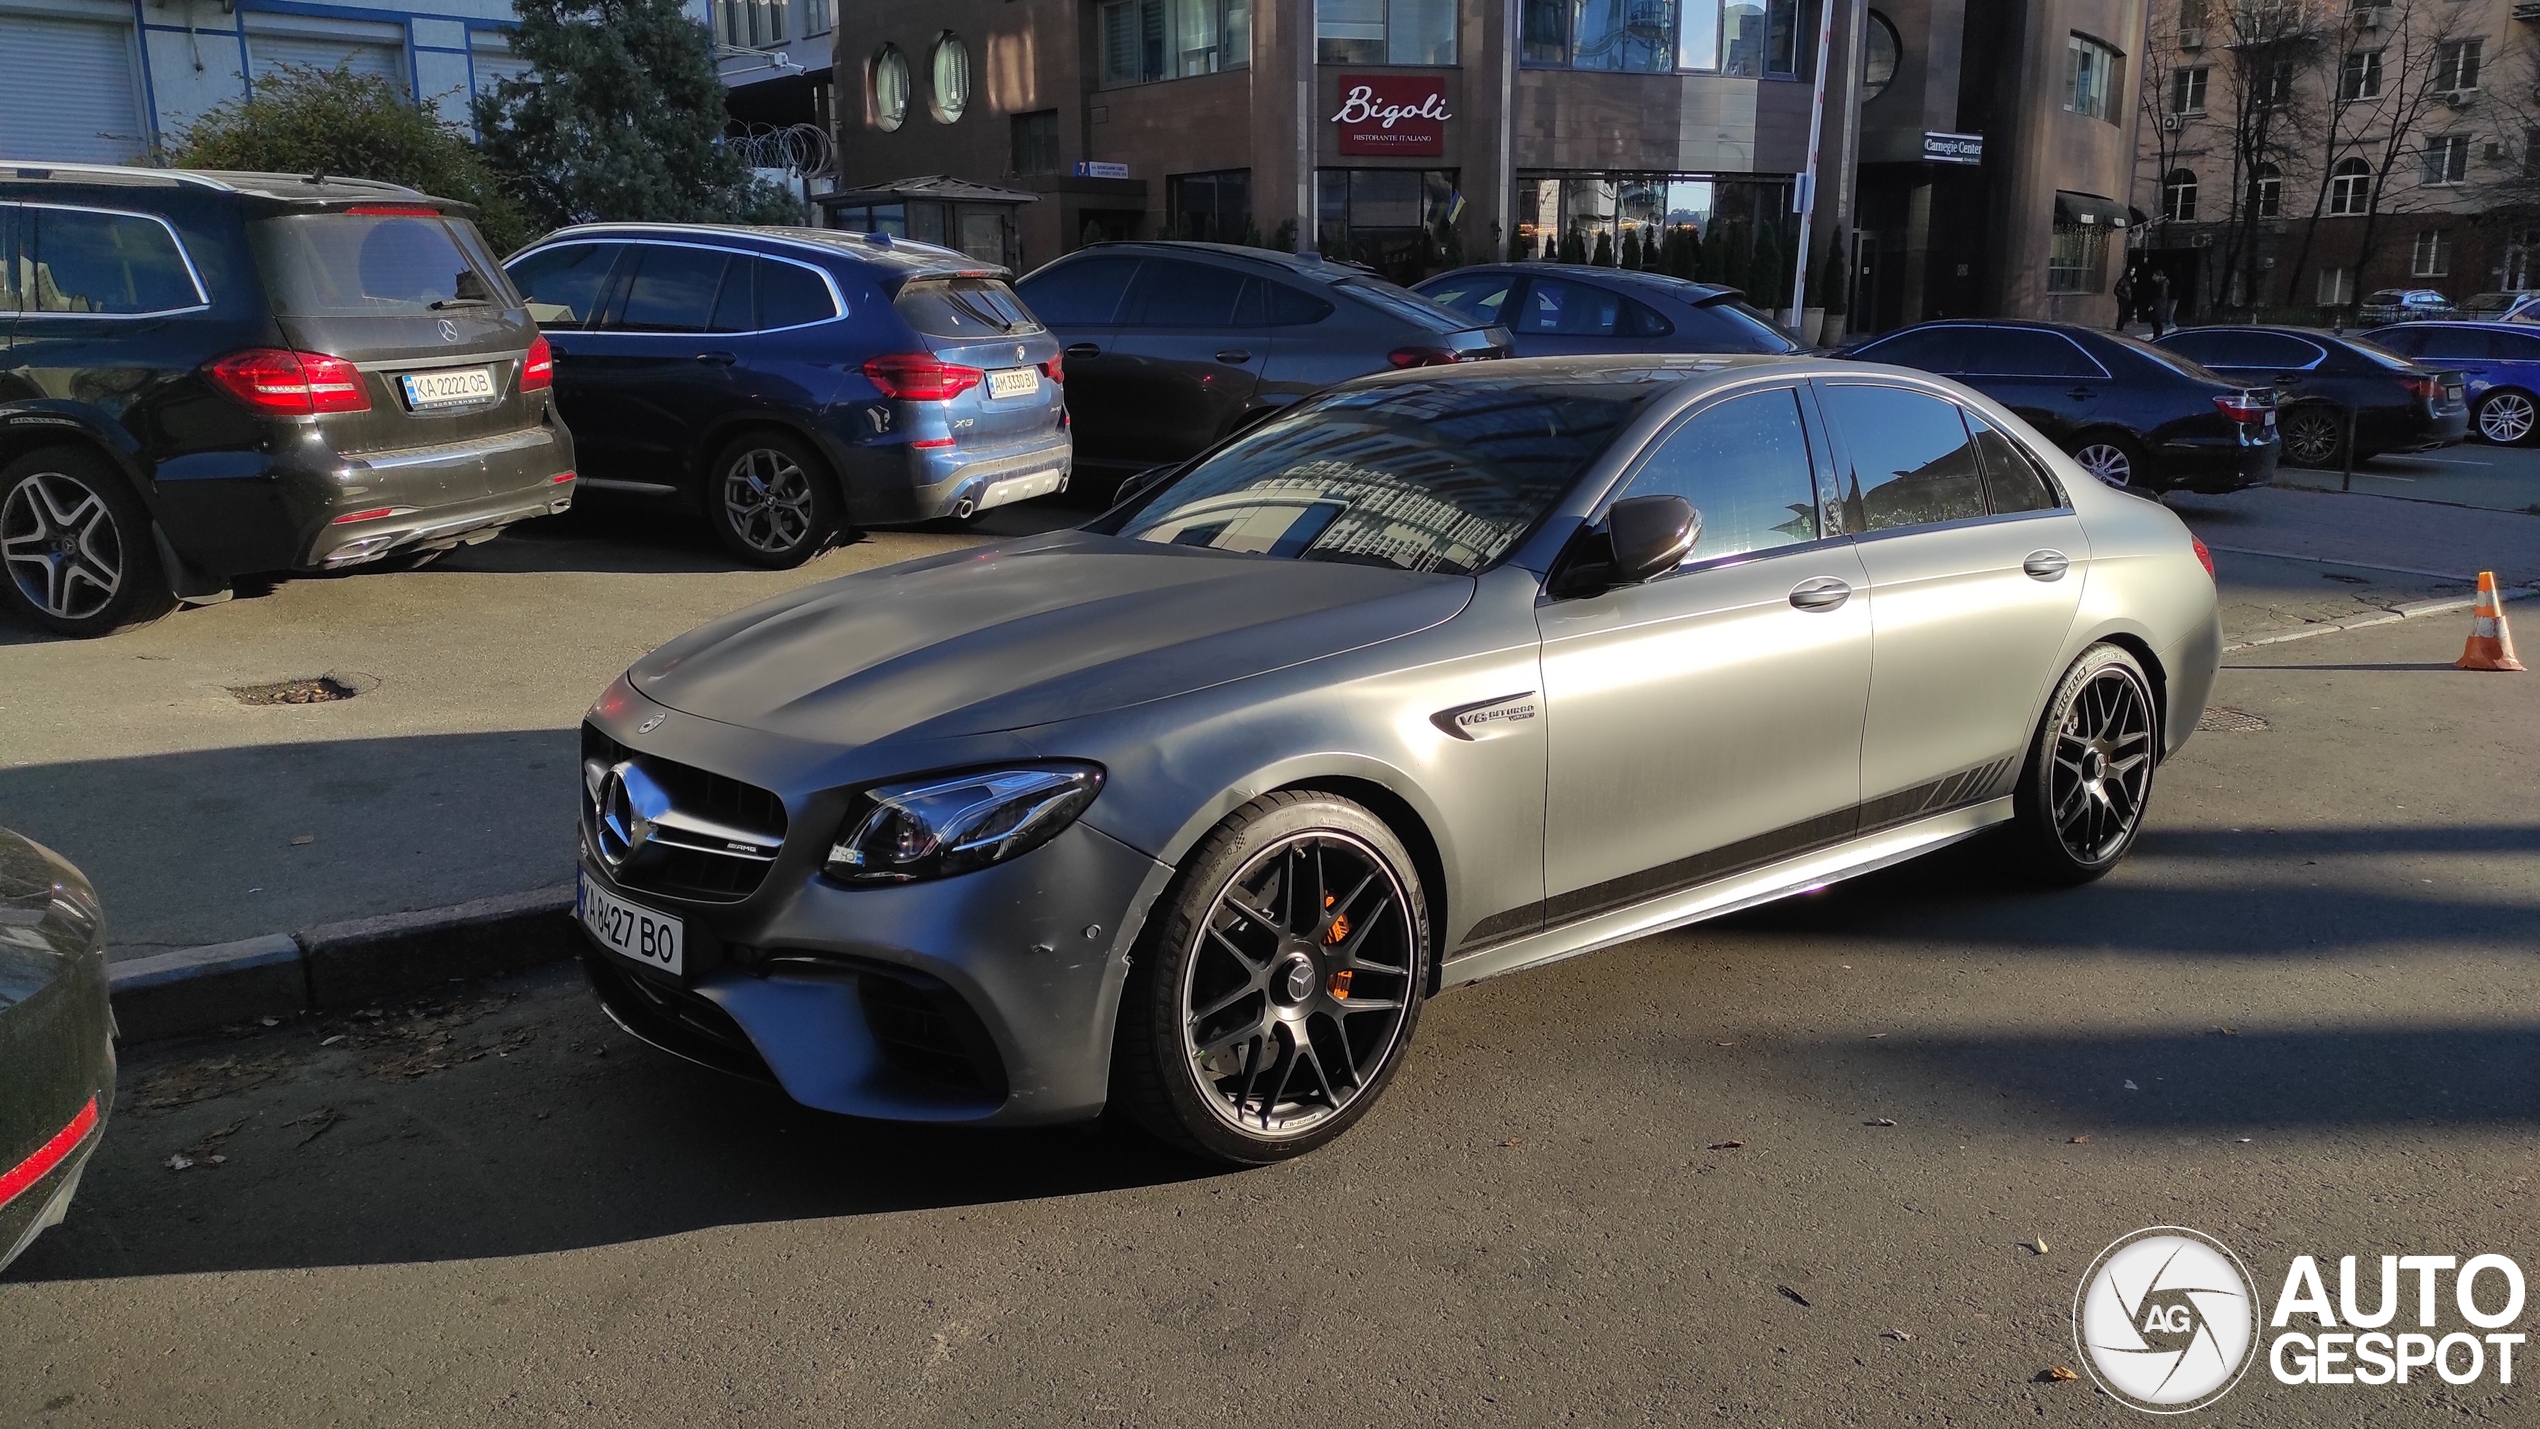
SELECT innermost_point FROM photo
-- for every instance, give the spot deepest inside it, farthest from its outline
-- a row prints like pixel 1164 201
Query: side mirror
pixel 1652 535
pixel 1144 482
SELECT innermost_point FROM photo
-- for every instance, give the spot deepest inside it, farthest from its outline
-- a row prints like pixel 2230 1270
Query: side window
pixel 1568 309
pixel 1294 307
pixel 2515 346
pixel 2453 344
pixel 1173 293
pixel 2213 348
pixel 1085 293
pixel 2013 481
pixel 1933 349
pixel 8 258
pixel 1911 456
pixel 790 295
pixel 563 284
pixel 1641 321
pixel 1483 297
pixel 2023 352
pixel 1743 464
pixel 736 307
pixel 673 289
pixel 2407 342
pixel 106 263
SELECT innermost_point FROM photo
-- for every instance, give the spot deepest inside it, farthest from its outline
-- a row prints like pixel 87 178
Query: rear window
pixel 90 262
pixel 964 309
pixel 374 265
pixel 1731 325
pixel 1406 305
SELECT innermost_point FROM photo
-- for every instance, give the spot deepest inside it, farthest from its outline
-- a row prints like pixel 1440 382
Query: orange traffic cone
pixel 2491 645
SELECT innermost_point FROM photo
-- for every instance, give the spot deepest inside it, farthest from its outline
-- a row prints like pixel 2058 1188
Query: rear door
pixel 658 368
pixel 2044 376
pixel 1078 300
pixel 1192 342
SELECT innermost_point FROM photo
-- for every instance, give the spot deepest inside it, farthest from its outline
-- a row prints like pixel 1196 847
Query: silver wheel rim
pixel 60 545
pixel 2102 770
pixel 1297 987
pixel 2310 438
pixel 2506 417
pixel 2108 462
pixel 767 500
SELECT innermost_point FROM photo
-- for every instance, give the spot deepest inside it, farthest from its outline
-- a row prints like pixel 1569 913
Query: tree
pixel 1768 283
pixel 1632 250
pixel 301 120
pixel 1573 247
pixel 620 120
pixel 1687 258
pixel 1604 249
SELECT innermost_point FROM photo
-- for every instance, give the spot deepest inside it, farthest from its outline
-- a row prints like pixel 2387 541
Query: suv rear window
pixel 90 262
pixel 403 264
pixel 964 309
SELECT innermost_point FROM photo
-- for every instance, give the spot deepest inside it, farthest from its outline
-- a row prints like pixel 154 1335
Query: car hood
pixel 1025 633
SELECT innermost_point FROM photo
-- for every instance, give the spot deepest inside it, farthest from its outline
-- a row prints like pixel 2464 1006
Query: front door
pixel 1709 720
pixel 1976 567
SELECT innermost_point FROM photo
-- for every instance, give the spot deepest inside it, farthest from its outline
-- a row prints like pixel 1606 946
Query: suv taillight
pixel 920 377
pixel 1423 356
pixel 538 369
pixel 2243 407
pixel 281 383
pixel 1055 370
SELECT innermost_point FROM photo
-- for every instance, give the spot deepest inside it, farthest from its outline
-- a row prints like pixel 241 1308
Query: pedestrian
pixel 2124 292
pixel 2164 304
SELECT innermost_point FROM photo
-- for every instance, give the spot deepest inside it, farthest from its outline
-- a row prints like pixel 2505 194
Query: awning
pixel 2074 210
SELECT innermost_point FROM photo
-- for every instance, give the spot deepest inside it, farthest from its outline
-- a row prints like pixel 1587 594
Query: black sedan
pixel 2130 413
pixel 1171 346
pixel 2322 380
pixel 1563 310
pixel 57 1059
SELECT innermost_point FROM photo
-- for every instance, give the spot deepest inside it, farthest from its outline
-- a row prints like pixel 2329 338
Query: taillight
pixel 538 369
pixel 2204 557
pixel 1055 370
pixel 2423 388
pixel 2242 407
pixel 1424 356
pixel 281 383
pixel 919 377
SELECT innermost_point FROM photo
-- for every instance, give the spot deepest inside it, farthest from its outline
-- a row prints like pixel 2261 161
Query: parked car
pixel 2398 305
pixel 1441 674
pixel 1563 310
pixel 57 1055
pixel 2499 366
pixel 211 375
pixel 2131 413
pixel 2500 308
pixel 2322 379
pixel 1171 346
pixel 789 383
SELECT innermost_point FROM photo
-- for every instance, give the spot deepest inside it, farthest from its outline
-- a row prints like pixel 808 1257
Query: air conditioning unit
pixel 2191 39
pixel 2375 18
pixel 2495 151
pixel 2460 98
pixel 2170 123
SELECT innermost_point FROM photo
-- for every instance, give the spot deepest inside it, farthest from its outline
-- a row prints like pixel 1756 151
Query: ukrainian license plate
pixel 654 939
pixel 1014 382
pixel 458 388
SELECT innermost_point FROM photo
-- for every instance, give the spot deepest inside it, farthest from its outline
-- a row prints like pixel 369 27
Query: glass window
pixel 563 283
pixel 1738 37
pixel 1568 309
pixel 125 263
pixel 2450 344
pixel 1483 297
pixel 2336 287
pixel 1213 208
pixel 1912 460
pixel 2013 479
pixel 2026 352
pixel 2187 89
pixel 2432 256
pixel 1295 307
pixel 2076 258
pixel 949 68
pixel 964 309
pixel 1147 40
pixel 1730 327
pixel 1036 142
pixel 2090 73
pixel 2178 196
pixel 2270 186
pixel 790 295
pixel 1385 32
pixel 673 290
pixel 1173 293
pixel 2515 346
pixel 2456 64
pixel 1637 36
pixel 1743 465
pixel 1880 53
pixel 890 88
pixel 736 307
pixel 358 264
pixel 2225 347
pixel 2446 159
pixel 2360 76
pixel 1932 349
pixel 1439 476
pixel 1084 293
pixel 2349 188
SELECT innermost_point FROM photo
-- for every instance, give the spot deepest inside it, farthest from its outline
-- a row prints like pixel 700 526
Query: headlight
pixel 946 824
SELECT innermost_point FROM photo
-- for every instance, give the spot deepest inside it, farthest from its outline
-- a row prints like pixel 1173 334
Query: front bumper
pixel 987 997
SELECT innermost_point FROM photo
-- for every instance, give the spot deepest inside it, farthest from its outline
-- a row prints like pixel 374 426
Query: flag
pixel 1454 205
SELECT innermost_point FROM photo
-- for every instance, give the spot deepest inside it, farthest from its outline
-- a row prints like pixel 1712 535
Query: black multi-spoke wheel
pixel 771 500
pixel 76 554
pixel 1278 984
pixel 2314 437
pixel 2081 800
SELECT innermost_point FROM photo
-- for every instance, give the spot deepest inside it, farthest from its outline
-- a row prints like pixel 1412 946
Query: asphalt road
pixel 2300 1019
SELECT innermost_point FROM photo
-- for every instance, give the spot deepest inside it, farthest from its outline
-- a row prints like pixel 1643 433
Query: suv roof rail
pixel 282 186
pixel 130 173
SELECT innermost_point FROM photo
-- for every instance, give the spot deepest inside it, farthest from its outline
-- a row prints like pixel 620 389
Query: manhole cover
pixel 320 690
pixel 2221 719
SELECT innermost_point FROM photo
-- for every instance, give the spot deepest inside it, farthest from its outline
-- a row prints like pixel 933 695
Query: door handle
pixel 1820 593
pixel 2046 565
pixel 719 359
pixel 1233 355
pixel 555 351
pixel 2082 394
pixel 1084 349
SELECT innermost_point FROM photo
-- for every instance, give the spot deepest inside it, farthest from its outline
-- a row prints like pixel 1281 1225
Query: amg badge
pixel 1487 720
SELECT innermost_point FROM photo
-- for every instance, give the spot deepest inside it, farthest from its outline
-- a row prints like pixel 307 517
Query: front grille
pixel 675 1019
pixel 683 870
pixel 923 1028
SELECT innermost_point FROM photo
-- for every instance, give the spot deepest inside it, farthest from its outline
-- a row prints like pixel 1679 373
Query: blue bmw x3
pixel 790 384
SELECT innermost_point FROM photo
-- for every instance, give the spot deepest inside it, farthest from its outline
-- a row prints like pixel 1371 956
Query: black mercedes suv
pixel 208 375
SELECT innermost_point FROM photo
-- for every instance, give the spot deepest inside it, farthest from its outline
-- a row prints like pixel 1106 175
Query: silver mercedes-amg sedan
pixel 1442 674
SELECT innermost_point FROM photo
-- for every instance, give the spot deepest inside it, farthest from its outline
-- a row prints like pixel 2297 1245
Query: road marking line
pixel 2357 565
pixel 2437 460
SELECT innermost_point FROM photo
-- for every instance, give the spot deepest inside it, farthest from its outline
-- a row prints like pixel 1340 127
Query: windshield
pixel 1437 475
pixel 405 263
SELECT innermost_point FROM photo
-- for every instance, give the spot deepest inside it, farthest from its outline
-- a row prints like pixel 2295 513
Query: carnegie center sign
pixel 1393 114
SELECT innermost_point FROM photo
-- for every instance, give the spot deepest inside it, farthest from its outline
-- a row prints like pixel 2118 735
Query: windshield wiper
pixel 444 304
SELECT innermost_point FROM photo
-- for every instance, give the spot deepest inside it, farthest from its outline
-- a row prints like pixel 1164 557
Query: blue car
pixel 792 383
pixel 2500 366
pixel 1565 310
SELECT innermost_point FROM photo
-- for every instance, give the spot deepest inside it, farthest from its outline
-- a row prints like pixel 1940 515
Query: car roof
pixel 1683 289
pixel 1302 265
pixel 906 255
pixel 280 188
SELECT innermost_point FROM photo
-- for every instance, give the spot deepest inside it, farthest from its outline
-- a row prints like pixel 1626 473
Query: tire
pixel 2314 437
pixel 771 500
pixel 2114 458
pixel 2506 417
pixel 75 546
pixel 2082 794
pixel 1283 993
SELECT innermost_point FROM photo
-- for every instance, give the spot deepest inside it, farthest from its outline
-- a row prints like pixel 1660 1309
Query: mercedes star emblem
pixel 449 331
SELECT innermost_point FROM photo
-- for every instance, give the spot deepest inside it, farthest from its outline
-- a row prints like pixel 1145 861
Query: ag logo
pixel 2166 1320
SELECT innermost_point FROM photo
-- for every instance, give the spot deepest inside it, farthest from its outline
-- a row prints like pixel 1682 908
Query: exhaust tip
pixel 963 508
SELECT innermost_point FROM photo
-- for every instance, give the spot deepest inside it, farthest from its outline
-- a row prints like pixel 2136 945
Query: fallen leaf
pixel 2036 1245
pixel 2078 1141
pixel 1898 1335
pixel 331 1041
pixel 179 1162
pixel 318 1122
pixel 2228 1031
pixel 1726 1145
pixel 1512 1141
pixel 220 1160
pixel 2130 1086
pixel 2056 1375
pixel 1791 1295
pixel 1724 1044
pixel 1880 1121
pixel 303 840
pixel 270 1021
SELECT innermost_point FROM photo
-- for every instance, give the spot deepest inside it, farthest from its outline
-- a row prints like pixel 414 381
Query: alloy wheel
pixel 2310 438
pixel 1296 994
pixel 2108 462
pixel 767 499
pixel 60 545
pixel 2506 418
pixel 2103 764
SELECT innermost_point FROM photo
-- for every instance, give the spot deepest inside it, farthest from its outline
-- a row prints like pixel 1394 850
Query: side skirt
pixel 1797 874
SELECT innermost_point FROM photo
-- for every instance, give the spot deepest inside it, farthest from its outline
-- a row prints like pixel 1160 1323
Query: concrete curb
pixel 340 964
pixel 2409 611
